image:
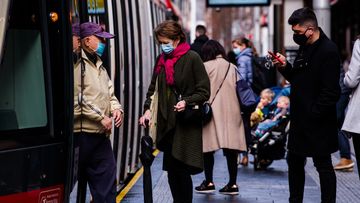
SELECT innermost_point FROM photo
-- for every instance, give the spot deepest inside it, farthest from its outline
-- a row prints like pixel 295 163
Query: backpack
pixel 259 76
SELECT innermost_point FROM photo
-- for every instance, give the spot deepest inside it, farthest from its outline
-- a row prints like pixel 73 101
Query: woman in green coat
pixel 182 83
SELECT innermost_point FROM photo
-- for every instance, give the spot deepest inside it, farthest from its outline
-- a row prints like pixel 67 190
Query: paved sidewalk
pixel 255 186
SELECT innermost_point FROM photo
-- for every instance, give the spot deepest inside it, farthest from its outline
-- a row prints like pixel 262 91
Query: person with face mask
pixel 315 90
pixel 95 106
pixel 182 83
pixel 244 51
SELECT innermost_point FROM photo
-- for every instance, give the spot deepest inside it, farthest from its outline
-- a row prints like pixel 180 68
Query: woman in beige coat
pixel 225 130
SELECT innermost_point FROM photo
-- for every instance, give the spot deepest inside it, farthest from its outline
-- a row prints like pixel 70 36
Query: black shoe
pixel 230 190
pixel 205 187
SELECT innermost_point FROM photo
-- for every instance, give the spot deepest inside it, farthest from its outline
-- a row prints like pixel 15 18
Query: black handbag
pixel 196 113
pixel 206 113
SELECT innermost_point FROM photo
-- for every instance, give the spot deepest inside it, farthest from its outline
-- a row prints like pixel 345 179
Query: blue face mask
pixel 167 48
pixel 100 49
pixel 236 51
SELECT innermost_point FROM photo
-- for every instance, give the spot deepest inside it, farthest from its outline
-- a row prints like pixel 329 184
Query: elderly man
pixel 95 106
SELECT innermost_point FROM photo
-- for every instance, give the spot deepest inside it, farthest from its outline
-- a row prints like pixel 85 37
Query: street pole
pixel 257 34
pixel 322 11
pixel 193 20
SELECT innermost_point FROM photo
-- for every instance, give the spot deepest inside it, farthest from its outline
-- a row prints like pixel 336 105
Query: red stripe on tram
pixel 53 194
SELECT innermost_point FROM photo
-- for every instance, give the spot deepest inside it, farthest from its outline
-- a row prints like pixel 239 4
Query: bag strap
pixel 217 91
pixel 82 75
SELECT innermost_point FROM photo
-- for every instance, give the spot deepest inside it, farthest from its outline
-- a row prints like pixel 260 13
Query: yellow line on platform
pixel 132 181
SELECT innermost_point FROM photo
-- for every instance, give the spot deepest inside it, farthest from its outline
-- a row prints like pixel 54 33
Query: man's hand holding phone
pixel 278 60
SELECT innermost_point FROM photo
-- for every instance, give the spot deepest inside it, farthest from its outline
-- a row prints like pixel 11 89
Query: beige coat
pixel 226 129
pixel 99 99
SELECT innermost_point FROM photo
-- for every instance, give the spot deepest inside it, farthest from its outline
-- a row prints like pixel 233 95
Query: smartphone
pixel 276 57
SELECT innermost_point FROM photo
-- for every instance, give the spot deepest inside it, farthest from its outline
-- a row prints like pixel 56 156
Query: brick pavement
pixel 255 186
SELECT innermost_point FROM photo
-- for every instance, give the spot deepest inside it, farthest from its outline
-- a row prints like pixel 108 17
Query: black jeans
pixel 326 172
pixel 179 179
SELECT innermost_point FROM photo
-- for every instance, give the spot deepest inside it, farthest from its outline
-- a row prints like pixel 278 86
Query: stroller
pixel 269 144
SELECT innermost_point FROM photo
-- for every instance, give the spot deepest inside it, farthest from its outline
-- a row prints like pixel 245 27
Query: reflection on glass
pixel 22 83
pixel 76 42
pixel 3 21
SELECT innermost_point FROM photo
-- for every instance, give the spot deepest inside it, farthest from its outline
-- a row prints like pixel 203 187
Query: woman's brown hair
pixel 170 29
pixel 247 43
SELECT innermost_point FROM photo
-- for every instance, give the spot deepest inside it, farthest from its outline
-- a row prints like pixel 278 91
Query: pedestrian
pixel 182 84
pixel 314 79
pixel 244 52
pixel 352 117
pixel 345 163
pixel 226 129
pixel 200 40
pixel 95 106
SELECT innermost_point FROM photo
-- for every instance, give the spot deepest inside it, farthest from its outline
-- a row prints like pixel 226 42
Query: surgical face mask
pixel 167 48
pixel 100 49
pixel 236 51
pixel 300 39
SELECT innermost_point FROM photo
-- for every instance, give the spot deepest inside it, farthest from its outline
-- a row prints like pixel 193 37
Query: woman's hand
pixel 180 106
pixel 146 116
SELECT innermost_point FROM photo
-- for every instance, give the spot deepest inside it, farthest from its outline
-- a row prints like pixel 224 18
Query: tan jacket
pixel 226 129
pixel 98 100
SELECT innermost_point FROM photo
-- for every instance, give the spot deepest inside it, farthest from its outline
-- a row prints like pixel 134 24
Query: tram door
pixel 36 101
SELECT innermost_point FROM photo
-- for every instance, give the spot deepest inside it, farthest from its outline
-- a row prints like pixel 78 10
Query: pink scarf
pixel 168 61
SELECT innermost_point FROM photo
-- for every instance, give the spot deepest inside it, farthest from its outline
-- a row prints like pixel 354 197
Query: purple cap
pixel 88 29
pixel 76 29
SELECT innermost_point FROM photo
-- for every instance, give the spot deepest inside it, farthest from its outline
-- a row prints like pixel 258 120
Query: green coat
pixel 183 140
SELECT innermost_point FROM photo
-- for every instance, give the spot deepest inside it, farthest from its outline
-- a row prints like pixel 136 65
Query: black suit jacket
pixel 315 89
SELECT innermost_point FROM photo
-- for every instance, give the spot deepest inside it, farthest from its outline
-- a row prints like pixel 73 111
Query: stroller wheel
pixel 264 163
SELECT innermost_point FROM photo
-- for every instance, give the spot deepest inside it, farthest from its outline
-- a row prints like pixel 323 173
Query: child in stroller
pixel 275 117
pixel 262 109
pixel 269 136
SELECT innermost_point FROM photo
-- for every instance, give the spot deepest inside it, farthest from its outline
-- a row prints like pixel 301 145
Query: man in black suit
pixel 315 89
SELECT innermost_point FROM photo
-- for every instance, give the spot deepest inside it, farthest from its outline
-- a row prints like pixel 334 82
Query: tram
pixel 38 158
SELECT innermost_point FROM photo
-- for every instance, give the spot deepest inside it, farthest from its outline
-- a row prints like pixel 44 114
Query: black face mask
pixel 300 39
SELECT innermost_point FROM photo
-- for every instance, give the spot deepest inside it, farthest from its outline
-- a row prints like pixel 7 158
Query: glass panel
pixel 75 19
pixel 4 8
pixel 22 82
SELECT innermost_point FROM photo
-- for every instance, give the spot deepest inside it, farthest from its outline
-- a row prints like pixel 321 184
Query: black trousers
pixel 231 158
pixel 97 166
pixel 247 128
pixel 179 179
pixel 326 172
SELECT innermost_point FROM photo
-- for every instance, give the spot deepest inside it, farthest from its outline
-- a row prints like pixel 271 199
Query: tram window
pixel 22 82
